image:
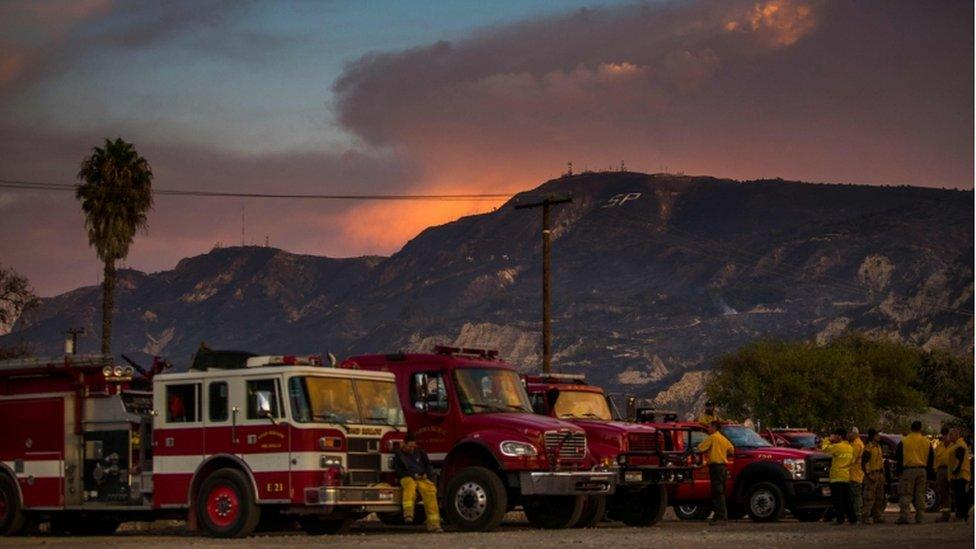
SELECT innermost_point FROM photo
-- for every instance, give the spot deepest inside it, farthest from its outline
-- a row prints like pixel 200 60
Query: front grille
pixel 565 444
pixel 642 442
pixel 818 467
pixel 363 461
pixel 363 478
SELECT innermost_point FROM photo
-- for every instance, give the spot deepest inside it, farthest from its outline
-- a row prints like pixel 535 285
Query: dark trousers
pixel 840 494
pixel 718 473
pixel 960 498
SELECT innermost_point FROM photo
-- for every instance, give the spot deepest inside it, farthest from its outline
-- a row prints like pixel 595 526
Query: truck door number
pixel 274 487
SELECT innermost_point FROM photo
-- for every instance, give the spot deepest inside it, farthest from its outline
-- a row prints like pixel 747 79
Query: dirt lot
pixel 515 533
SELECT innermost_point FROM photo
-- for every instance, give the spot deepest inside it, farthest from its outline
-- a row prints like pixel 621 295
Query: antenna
pixel 569 166
pixel 242 225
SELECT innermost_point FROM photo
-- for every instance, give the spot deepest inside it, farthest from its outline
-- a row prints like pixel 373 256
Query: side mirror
pixel 422 394
pixel 263 401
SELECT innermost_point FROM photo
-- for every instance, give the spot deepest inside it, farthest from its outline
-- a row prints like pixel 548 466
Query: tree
pixel 115 196
pixel 850 381
pixel 16 296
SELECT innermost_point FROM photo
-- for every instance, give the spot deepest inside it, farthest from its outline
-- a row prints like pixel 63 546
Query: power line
pixel 473 197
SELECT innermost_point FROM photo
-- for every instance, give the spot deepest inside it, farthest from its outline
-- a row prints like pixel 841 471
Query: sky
pixel 454 97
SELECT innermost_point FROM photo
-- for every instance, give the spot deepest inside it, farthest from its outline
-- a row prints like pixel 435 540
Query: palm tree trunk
pixel 108 304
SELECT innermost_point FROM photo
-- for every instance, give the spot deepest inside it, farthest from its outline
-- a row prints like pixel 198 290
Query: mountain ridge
pixel 654 277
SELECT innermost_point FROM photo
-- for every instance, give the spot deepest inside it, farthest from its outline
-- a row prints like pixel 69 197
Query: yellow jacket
pixel 915 450
pixel 857 473
pixel 718 448
pixel 842 454
pixel 706 419
pixel 955 462
pixel 875 458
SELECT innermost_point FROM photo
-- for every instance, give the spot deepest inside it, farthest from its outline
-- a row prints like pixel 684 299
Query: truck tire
pixel 475 500
pixel 809 515
pixel 692 510
pixel 553 512
pixel 12 519
pixel 640 508
pixel 764 502
pixel 594 509
pixel 315 526
pixel 226 506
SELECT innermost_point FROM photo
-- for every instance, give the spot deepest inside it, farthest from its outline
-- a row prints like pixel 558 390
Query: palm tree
pixel 115 195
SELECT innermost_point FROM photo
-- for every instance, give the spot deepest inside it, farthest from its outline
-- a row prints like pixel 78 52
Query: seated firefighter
pixel 413 468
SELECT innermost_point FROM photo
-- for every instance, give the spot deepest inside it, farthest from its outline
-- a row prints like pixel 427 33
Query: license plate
pixel 825 490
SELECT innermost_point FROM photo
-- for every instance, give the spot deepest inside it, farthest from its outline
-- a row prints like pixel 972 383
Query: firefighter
pixel 872 460
pixel 857 472
pixel 914 458
pixel 413 468
pixel 709 415
pixel 942 484
pixel 842 454
pixel 717 450
pixel 958 458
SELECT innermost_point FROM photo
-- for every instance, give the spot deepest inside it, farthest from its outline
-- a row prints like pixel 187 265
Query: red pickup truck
pixel 647 459
pixel 469 410
pixel 764 480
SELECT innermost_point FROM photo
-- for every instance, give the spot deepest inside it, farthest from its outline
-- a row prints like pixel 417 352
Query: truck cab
pixel 764 480
pixel 234 440
pixel 646 458
pixel 469 411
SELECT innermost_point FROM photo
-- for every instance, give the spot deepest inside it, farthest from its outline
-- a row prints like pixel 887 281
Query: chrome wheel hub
pixel 471 501
pixel 762 503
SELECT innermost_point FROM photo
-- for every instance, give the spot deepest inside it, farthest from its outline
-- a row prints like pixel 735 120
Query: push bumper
pixel 366 498
pixel 553 483
pixel 654 475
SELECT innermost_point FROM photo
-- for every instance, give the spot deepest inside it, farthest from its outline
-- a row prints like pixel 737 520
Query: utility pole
pixel 545 204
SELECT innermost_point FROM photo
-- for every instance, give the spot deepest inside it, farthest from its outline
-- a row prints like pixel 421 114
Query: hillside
pixel 647 291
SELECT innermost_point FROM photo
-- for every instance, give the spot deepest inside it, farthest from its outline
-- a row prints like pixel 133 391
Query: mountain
pixel 654 277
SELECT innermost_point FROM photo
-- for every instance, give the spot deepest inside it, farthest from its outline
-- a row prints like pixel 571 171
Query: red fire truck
pixel 87 444
pixel 470 412
pixel 647 458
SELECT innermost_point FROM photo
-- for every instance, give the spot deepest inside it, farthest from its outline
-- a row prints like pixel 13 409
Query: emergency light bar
pixel 283 360
pixel 563 377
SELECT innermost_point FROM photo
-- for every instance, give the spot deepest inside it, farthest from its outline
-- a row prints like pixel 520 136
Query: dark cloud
pixel 868 91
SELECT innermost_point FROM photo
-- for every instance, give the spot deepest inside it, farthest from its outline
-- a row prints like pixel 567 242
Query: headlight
pixel 330 461
pixel 797 468
pixel 514 448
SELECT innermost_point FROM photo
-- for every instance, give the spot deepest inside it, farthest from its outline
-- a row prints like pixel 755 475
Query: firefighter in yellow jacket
pixel 842 455
pixel 958 458
pixel 413 468
pixel 872 460
pixel 943 488
pixel 914 458
pixel 717 450
pixel 709 415
pixel 857 472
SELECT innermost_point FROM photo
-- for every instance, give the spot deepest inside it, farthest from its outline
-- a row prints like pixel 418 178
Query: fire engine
pixel 88 444
pixel 647 458
pixel 470 412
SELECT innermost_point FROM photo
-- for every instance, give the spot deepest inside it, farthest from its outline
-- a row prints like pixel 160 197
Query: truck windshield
pixel 343 400
pixel 803 441
pixel 582 405
pixel 744 437
pixel 482 390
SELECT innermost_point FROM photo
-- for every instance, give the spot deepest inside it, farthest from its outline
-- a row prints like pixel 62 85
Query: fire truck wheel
pixel 315 526
pixel 641 508
pixel 764 502
pixel 594 509
pixel 12 519
pixel 692 511
pixel 226 506
pixel 553 512
pixel 476 500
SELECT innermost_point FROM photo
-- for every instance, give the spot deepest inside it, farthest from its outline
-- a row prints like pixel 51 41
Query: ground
pixel 516 533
